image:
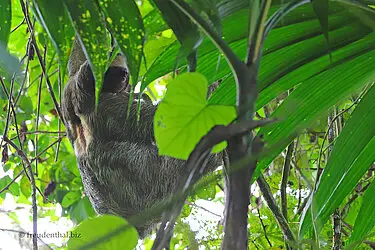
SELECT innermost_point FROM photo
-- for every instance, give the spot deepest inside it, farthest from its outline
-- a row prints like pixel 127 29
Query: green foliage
pixel 364 223
pixel 324 90
pixel 13 188
pixel 90 230
pixel 295 57
pixel 5 20
pixel 87 21
pixel 353 154
pixel 186 31
pixel 128 30
pixel 321 8
pixel 56 23
pixel 184 116
pixel 208 56
pixel 70 198
pixel 82 210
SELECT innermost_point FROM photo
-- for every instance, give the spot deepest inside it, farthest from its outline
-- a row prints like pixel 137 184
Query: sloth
pixel 121 170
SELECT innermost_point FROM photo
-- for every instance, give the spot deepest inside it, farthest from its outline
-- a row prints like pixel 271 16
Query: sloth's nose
pixel 124 72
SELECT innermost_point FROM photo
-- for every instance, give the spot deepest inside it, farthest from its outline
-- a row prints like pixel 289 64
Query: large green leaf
pixel 288 51
pixel 92 229
pixel 127 29
pixel 90 26
pixel 154 22
pixel 184 117
pixel 312 98
pixel 5 20
pixel 185 30
pixel 231 31
pixel 353 153
pixel 211 10
pixel 56 22
pixel 321 10
pixel 315 67
pixel 209 63
pixel 366 218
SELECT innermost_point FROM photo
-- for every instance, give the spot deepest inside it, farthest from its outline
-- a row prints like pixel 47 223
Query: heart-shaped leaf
pixel 184 116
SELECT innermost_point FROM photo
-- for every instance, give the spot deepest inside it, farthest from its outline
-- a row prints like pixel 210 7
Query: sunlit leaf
pixel 13 188
pixel 25 186
pixel 184 116
pixel 95 228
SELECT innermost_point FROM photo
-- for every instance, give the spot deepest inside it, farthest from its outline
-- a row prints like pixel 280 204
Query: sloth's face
pixel 116 78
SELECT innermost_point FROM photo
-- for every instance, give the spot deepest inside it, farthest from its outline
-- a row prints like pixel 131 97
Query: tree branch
pixel 271 203
pixel 284 180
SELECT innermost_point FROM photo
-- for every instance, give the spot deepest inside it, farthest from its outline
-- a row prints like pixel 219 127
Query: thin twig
pixel 23 170
pixel 6 128
pixel 33 189
pixel 11 108
pixel 19 25
pixel 255 244
pixel 59 133
pixel 27 56
pixel 59 121
pixel 49 85
pixel 332 122
pixel 11 182
pixel 302 207
pixel 204 209
pixel 353 198
pixel 38 111
pixel 264 228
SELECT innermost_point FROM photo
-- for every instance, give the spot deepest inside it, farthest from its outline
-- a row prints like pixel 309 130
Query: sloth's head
pixel 116 77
